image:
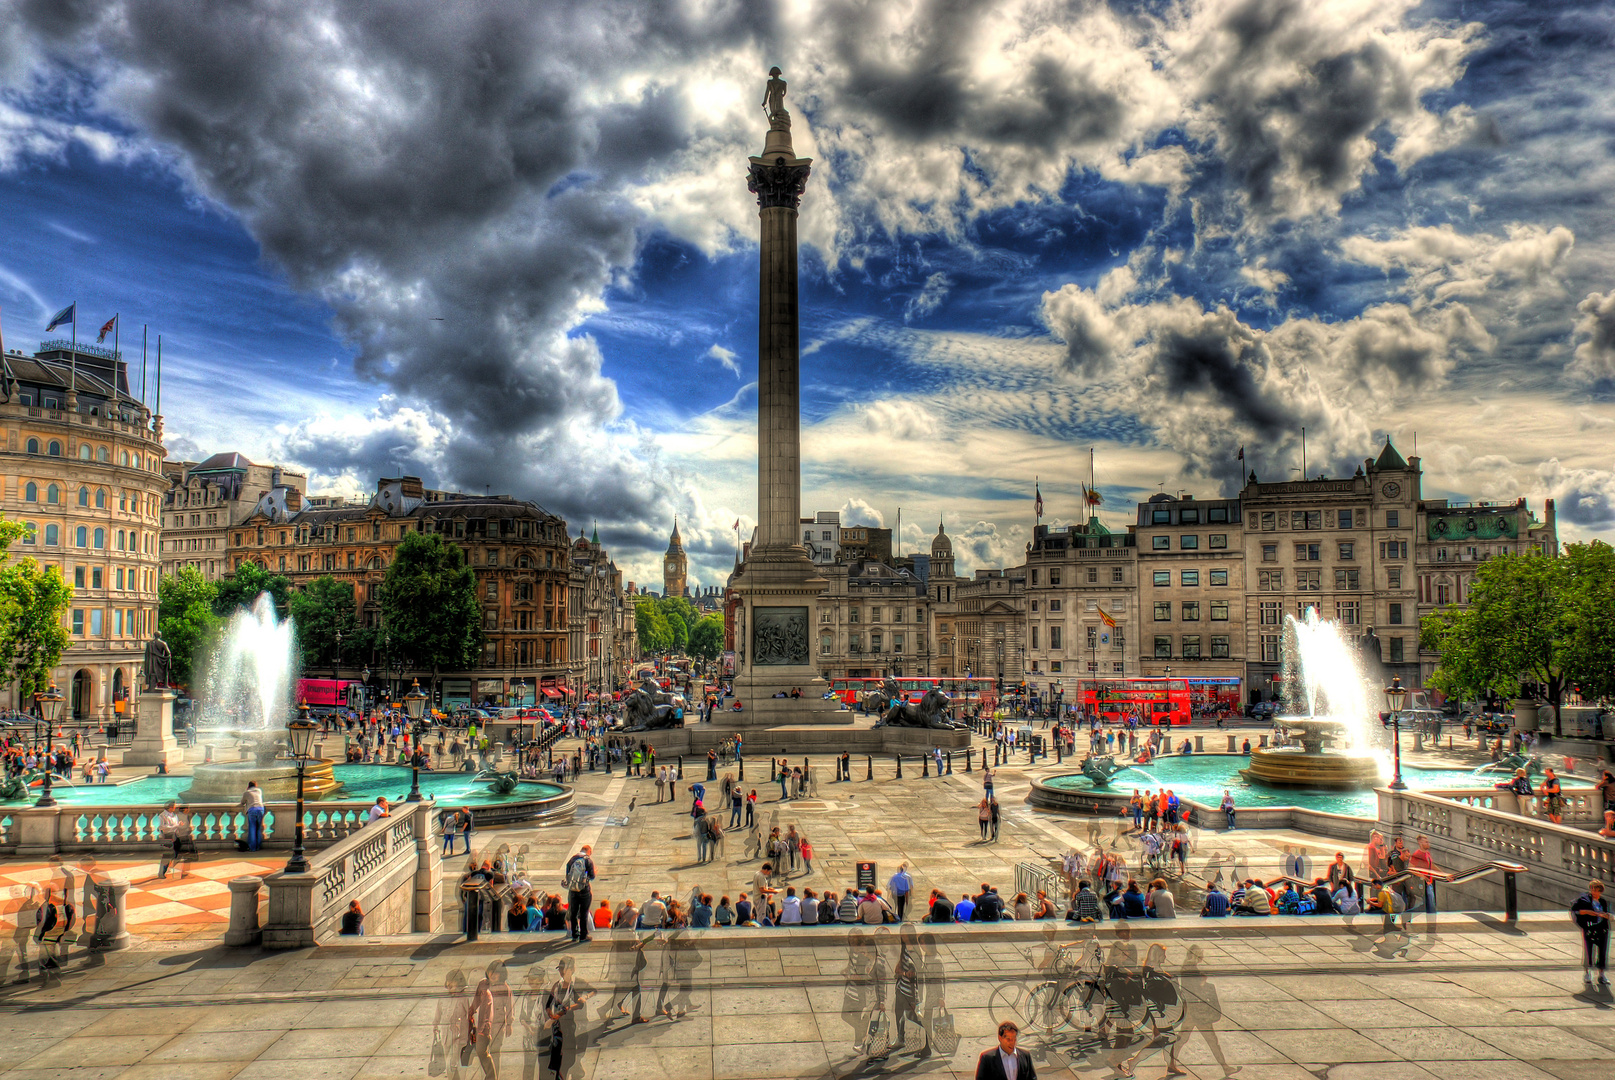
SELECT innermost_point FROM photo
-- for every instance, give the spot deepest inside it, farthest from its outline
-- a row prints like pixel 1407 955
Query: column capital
pixel 778 183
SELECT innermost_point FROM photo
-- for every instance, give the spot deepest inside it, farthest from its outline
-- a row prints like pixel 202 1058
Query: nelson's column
pixel 778 582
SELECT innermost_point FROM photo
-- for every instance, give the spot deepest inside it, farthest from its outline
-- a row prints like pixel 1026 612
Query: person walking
pixel 984 816
pixel 901 884
pixel 1005 1061
pixel 1591 914
pixel 579 882
pixel 993 812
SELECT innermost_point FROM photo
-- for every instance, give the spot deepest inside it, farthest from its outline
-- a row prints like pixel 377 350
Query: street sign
pixel 866 875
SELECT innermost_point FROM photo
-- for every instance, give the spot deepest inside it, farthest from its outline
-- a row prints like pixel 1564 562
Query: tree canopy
pixel 188 620
pixel 1532 620
pixel 668 624
pixel 429 604
pixel 655 635
pixel 706 640
pixel 241 589
pixel 322 610
pixel 33 601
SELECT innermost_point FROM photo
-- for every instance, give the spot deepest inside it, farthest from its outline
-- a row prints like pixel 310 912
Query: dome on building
pixel 940 544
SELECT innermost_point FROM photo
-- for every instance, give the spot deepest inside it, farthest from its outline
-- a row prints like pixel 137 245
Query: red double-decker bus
pixel 1151 701
pixel 965 693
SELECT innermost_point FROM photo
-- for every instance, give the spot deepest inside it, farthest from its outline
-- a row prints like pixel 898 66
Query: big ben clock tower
pixel 675 565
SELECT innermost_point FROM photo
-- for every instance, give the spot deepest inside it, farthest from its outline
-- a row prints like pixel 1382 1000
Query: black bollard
pixel 681 766
pixel 1059 751
pixel 950 762
pixel 925 766
pixel 871 775
pixel 773 770
pixel 742 763
pixel 970 756
pixel 984 759
pixel 899 766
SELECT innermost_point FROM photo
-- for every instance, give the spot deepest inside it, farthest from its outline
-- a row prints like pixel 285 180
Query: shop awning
pixel 550 692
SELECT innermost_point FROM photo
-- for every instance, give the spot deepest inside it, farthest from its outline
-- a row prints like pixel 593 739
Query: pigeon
pixel 631 803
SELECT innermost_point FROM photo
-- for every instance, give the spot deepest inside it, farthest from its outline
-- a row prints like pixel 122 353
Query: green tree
pixel 242 588
pixel 655 636
pixel 33 601
pixel 706 640
pixel 187 619
pixel 1531 619
pixel 322 610
pixel 429 604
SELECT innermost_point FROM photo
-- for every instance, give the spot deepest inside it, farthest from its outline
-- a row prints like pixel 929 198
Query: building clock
pixel 1392 490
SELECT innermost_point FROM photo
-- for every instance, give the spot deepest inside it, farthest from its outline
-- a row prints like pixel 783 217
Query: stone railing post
pixel 291 910
pixel 244 929
pixel 37 832
pixel 110 934
pixel 428 873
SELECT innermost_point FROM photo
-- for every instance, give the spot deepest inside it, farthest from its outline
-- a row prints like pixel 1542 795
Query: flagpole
pixel 117 357
pixel 73 362
pixel 142 363
pixel 158 412
pixel 1303 453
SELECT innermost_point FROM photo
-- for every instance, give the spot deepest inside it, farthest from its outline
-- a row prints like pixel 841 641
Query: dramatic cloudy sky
pixel 509 244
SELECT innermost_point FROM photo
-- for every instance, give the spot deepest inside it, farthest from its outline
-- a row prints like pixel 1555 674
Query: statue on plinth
pixel 648 709
pixel 931 712
pixel 159 661
pixel 774 100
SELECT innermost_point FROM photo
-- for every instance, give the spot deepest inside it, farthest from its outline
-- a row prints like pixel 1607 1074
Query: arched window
pixel 53 535
pixel 100 500
pixel 54 449
pixel 123 459
pixel 84 451
pixel 120 543
pixel 53 494
pixel 375 562
pixel 102 454
pixel 32 535
pixel 30 492
pixel 100 538
pixel 33 446
pixel 81 537
pixel 84 496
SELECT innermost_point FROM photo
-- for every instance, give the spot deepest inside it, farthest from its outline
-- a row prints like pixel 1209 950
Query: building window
pixel 1396 614
pixel 1270 553
pixel 1219 646
pixel 1270 610
pixel 100 499
pixel 1270 648
pixel 1189 577
pixel 1191 646
pixel 1162 578
pixel 1443 594
pixel 1160 543
pixel 1393 549
pixel 1034 577
pixel 1054 577
pixel 1306 519
pixel 1189 516
pixel 1305 606
pixel 1346 552
pixel 1348 612
pixel 1307 552
pixel 897 643
pixel 1397 656
pixel 30 492
pixel 1344 518
pixel 852 615
pixel 1217 540
pixel 54 449
pixel 1393 579
pixel 492 589
pixel 874 642
pixel 1093 575
pixel 1219 611
pixel 1034 637
pixel 81 537
pixel 78 622
pixel 1116 574
pixel 1189 543
pixel 1219 577
pixel 1118 639
pixel 1270 581
pixel 1054 605
pixel 1308 580
pixel 1191 611
pixel 1093 637
pixel 53 494
pixel 1216 515
pixel 1393 519
pixel 1163 647
pixel 1163 611
pixel 97 620
pixel 1347 580
pixel 1160 517
pixel 1034 605
pixel 825 642
pixel 1056 635
pixel 78 577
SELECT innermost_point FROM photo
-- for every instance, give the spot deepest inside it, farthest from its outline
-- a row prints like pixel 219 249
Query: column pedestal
pixel 154 743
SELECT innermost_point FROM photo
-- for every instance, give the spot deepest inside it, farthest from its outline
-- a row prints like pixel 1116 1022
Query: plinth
pixel 154 743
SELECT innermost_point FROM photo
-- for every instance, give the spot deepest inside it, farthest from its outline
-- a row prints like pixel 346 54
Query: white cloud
pixel 1595 340
pixel 724 356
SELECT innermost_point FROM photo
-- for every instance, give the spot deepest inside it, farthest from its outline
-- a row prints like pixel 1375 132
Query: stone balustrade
pixel 1580 804
pixel 392 867
pixel 62 829
pixel 1465 831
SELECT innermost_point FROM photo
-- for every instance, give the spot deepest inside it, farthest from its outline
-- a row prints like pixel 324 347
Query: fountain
pixel 249 682
pixel 1328 671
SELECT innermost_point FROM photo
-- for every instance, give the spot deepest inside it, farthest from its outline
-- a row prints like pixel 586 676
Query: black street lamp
pixel 1396 696
pixel 415 704
pixel 50 703
pixel 300 740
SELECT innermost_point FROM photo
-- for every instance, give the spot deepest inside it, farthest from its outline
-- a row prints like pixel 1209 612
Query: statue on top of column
pixel 774 100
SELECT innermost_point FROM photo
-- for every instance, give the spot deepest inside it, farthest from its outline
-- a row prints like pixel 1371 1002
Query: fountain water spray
pixel 249 680
pixel 1326 677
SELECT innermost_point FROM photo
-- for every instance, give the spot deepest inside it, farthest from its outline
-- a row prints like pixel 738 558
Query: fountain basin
pixel 226 781
pixel 1296 767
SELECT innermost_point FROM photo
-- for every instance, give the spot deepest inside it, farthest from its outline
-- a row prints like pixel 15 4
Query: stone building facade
pixel 872 621
pixel 1191 584
pixel 205 499
pixel 81 465
pixel 992 626
pixel 520 553
pixel 1074 577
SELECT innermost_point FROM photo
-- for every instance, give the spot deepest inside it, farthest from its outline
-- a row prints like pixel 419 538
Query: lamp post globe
pixel 300 741
pixel 1396 696
pixel 50 709
pixel 415 706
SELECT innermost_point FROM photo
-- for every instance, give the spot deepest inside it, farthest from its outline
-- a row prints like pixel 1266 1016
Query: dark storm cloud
pixel 405 161
pixel 1213 357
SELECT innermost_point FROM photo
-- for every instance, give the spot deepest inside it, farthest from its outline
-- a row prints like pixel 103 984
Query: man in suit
pixel 1004 1062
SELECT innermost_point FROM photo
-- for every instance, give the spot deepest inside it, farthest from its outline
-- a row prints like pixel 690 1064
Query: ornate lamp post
pixel 300 739
pixel 415 704
pixel 50 708
pixel 1396 696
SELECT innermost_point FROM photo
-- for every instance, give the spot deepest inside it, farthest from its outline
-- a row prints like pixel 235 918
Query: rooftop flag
pixel 63 316
pixel 105 330
pixel 1038 506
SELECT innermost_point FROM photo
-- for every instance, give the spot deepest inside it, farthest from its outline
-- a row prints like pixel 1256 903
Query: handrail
pixel 1511 905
